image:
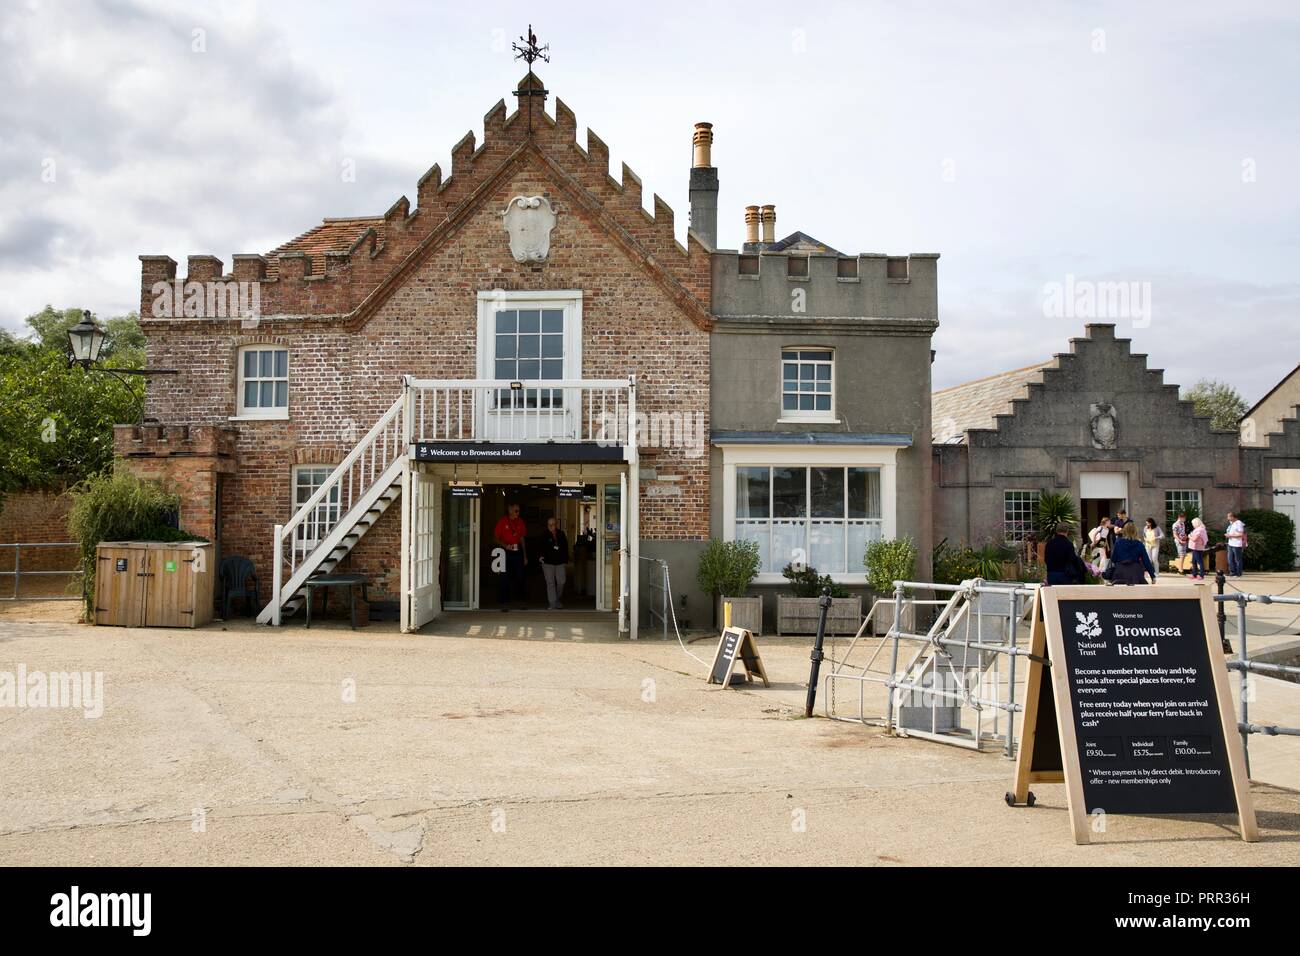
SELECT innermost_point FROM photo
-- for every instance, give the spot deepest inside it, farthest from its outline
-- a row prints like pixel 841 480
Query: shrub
pixel 728 567
pixel 952 565
pixel 1270 540
pixel 890 561
pixel 118 506
pixel 807 583
pixel 1054 507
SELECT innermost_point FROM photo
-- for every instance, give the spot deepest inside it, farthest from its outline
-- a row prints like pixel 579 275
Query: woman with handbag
pixel 1129 562
pixel 1197 542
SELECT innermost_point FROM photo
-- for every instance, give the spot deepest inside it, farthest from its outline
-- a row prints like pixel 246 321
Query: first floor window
pixel 807 383
pixel 1185 500
pixel 1018 511
pixel 306 480
pixel 822 516
pixel 529 346
pixel 264 382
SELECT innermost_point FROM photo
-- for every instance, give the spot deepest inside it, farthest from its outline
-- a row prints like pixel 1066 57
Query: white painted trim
pixel 569 299
pixel 884 457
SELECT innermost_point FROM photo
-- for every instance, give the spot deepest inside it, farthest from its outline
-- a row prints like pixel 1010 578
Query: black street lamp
pixel 86 341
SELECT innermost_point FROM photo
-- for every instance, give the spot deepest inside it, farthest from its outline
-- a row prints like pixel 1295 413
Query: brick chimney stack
pixel 704 187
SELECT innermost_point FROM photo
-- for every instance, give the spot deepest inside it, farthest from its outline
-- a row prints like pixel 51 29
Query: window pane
pixel 790 403
pixel 864 493
pixel 826 547
pixel 828 493
pixel 552 346
pixel 264 364
pixel 789 540
pixel 506 321
pixel 505 368
pixel 281 394
pixel 529 369
pixel 823 403
pixel 528 346
pixel 505 346
pixel 752 490
pixel 806 373
pixel 824 373
pixel 789 356
pixel 553 320
pixel 805 403
pixel 790 371
pixel 250 394
pixel 281 364
pixel 250 363
pixel 552 369
pixel 266 398
pixel 757 531
pixel 529 320
pixel 789 492
pixel 818 356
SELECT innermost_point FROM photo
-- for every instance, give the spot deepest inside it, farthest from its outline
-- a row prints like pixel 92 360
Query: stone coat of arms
pixel 529 221
pixel 1105 425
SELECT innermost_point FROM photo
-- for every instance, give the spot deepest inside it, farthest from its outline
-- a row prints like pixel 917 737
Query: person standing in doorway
pixel 1180 539
pixel 1099 540
pixel 1197 542
pixel 1152 535
pixel 555 555
pixel 1236 535
pixel 510 534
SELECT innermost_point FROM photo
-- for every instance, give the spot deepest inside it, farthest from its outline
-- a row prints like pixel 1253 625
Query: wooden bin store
pixel 153 584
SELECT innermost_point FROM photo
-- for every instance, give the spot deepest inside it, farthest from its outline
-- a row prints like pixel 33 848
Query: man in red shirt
pixel 510 535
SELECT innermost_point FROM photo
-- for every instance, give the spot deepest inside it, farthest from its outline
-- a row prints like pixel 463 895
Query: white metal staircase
pixel 330 523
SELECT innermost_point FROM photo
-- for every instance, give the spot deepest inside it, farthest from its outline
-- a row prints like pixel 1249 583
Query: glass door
pixel 460 551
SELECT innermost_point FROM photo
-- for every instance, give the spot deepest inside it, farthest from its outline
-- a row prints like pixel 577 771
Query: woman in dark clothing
pixel 1130 563
pixel 1064 566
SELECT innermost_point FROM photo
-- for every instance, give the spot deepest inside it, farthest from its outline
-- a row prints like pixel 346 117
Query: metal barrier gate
pixel 957 683
pixel 1244 666
pixel 18 573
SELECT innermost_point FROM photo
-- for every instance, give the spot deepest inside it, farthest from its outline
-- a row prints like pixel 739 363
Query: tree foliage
pixel 1219 401
pixel 57 421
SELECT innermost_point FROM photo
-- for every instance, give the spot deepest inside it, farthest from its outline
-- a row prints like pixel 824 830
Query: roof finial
pixel 531 87
pixel 530 51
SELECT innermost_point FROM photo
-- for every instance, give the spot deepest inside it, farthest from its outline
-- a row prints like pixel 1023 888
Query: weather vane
pixel 530 51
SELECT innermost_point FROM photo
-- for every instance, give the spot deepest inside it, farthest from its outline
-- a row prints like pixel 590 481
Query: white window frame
pixel 489 303
pixel 332 507
pixel 258 412
pixel 1185 494
pixel 883 457
pixel 812 415
pixel 1034 495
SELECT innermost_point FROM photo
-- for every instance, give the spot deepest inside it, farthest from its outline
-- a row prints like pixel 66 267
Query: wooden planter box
pixel 798 615
pixel 746 612
pixel 153 584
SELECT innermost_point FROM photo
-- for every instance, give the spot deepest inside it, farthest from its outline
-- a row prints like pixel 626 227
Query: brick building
pixel 525 332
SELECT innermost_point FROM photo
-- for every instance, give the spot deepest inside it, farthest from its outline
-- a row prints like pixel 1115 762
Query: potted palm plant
pixel 1054 508
pixel 799 612
pixel 726 570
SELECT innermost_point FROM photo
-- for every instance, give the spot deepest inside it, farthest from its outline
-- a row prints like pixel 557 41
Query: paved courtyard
pixel 528 740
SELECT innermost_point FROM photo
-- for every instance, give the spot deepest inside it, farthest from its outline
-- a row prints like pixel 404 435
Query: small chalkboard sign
pixel 1143 714
pixel 737 643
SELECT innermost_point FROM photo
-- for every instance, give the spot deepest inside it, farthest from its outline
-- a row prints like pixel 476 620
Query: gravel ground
pixel 258 746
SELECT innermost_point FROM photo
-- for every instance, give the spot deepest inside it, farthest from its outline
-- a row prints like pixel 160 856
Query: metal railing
pixel 549 410
pixel 952 687
pixel 18 573
pixel 659 584
pixel 1245 666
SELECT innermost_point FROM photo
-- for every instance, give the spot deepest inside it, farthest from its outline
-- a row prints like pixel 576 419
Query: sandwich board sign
pixel 736 643
pixel 1134 713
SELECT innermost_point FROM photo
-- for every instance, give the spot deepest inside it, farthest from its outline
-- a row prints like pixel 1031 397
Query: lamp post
pixel 86 341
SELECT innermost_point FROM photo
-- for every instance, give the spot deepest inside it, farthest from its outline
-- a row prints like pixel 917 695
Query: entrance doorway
pixel 590 517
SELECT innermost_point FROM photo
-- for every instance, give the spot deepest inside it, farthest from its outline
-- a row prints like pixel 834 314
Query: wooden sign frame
pixel 744 649
pixel 1047 641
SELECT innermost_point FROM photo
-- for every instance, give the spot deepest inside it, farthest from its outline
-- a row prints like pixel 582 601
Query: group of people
pixel 1123 553
pixel 511 535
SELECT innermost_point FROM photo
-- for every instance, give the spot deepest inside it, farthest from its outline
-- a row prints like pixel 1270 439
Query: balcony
pixel 599 412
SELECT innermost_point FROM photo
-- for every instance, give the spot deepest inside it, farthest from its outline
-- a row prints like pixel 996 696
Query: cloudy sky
pixel 1031 144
